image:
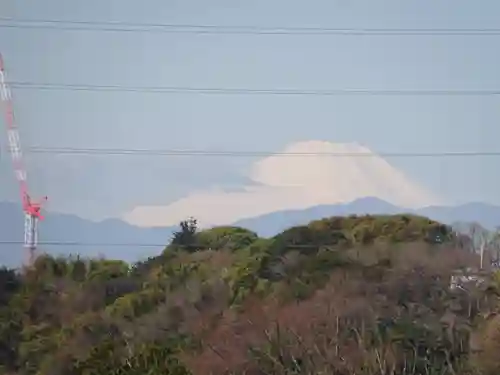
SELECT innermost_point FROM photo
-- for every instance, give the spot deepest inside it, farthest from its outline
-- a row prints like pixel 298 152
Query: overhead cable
pixel 128 244
pixel 252 91
pixel 234 153
pixel 120 26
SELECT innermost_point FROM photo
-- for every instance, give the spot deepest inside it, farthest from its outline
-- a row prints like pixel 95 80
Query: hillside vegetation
pixel 355 295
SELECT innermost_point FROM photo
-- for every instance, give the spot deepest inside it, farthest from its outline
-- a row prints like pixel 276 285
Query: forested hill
pixel 107 237
pixel 344 295
pixel 486 215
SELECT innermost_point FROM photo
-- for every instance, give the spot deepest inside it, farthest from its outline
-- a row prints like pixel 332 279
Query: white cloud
pixel 294 182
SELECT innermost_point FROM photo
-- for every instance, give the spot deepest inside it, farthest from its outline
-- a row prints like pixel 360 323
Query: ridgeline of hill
pixel 113 237
pixel 344 295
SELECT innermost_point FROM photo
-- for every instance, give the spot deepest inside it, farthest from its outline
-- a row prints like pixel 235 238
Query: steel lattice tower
pixel 30 208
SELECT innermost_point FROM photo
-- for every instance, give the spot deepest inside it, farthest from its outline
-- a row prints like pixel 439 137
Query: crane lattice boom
pixel 31 209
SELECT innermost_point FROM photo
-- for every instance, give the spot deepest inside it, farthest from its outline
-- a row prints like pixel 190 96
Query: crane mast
pixel 30 208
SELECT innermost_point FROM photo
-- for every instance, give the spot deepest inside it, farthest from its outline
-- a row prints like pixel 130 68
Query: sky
pixel 96 187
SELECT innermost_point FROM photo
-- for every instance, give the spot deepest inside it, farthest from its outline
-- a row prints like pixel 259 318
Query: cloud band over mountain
pixel 295 182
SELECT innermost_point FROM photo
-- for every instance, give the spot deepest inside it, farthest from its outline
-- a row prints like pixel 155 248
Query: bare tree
pixel 495 247
pixel 486 243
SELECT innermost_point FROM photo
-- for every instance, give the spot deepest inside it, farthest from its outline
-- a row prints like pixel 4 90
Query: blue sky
pixel 96 187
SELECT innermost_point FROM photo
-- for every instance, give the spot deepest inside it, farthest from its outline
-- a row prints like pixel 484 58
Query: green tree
pixel 186 236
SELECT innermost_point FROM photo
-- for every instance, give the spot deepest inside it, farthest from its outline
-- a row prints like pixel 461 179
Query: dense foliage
pixel 355 295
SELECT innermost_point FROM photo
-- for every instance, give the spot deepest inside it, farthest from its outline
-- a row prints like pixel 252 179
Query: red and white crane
pixel 31 209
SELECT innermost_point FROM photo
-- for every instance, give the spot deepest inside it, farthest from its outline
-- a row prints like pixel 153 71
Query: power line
pixel 220 153
pixel 83 244
pixel 118 26
pixel 126 244
pixel 250 91
pixel 163 245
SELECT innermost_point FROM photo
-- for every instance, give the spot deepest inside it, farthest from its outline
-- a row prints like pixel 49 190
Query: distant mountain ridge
pixel 270 224
pixel 116 237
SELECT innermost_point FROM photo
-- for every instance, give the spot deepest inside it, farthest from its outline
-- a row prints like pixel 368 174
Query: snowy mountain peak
pixel 305 174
